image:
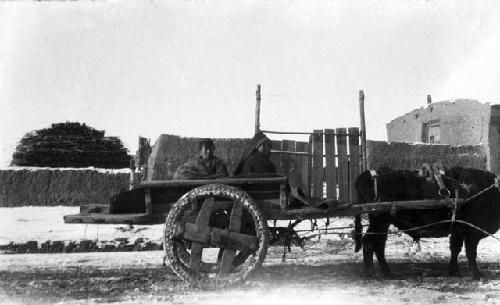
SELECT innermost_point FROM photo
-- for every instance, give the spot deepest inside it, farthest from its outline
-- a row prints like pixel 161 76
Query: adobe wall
pixel 494 139
pixel 51 187
pixel 462 122
pixel 399 155
pixel 170 151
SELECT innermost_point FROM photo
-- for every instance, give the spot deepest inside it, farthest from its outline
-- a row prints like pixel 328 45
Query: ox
pixel 482 211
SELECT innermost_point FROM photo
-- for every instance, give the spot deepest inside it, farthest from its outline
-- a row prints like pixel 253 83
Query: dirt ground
pixel 327 271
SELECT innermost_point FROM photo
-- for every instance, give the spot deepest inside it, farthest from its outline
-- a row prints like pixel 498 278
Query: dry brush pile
pixel 70 145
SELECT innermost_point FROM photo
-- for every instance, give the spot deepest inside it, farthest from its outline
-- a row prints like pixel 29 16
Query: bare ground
pixel 322 273
pixel 327 271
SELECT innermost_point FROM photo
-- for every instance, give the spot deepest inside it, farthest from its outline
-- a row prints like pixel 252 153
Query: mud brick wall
pixel 170 151
pixel 399 155
pixel 52 187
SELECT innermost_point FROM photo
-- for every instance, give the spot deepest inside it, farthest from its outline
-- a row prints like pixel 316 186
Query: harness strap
pixel 374 175
pixel 437 176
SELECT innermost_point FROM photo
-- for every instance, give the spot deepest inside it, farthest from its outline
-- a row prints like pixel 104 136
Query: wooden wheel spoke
pixel 197 247
pixel 195 222
pixel 234 226
pixel 217 238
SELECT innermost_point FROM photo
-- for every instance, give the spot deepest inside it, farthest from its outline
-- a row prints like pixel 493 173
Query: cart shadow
pixel 54 285
pixel 348 272
pixel 106 285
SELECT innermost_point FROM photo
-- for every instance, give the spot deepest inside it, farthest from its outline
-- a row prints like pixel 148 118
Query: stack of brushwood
pixel 70 145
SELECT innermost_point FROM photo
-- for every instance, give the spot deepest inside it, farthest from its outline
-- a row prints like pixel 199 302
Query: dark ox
pixel 483 211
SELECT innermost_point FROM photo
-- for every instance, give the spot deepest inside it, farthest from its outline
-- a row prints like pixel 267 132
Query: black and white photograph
pixel 271 152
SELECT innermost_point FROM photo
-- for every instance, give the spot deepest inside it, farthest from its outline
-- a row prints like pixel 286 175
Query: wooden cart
pixel 232 214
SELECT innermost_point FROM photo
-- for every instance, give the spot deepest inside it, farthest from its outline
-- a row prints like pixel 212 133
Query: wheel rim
pixel 233 234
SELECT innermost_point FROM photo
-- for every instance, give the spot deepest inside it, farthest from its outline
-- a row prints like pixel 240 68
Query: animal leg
pixel 380 253
pixel 368 256
pixel 358 232
pixel 374 242
pixel 456 242
pixel 471 253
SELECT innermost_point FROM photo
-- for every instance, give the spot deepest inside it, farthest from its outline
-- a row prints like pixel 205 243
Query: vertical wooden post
pixel 354 166
pixel 288 161
pixel 303 167
pixel 331 166
pixel 364 164
pixel 148 201
pixel 257 110
pixel 133 180
pixel 343 158
pixel 317 163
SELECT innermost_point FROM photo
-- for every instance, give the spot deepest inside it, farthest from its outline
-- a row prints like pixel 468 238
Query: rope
pixel 478 228
pixel 410 229
pixel 436 223
pixel 480 193
pixel 402 231
pixel 309 133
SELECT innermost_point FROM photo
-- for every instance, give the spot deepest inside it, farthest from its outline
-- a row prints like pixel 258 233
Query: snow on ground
pixel 327 271
pixel 22 224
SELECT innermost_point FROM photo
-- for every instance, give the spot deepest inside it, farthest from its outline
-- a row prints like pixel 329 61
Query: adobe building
pixel 457 122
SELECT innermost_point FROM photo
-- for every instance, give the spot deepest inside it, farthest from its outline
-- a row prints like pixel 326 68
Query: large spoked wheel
pixel 215 236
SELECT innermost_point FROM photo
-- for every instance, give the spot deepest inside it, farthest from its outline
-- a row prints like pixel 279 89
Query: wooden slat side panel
pixel 289 165
pixel 309 166
pixel 354 161
pixel 343 173
pixel 331 167
pixel 276 158
pixel 317 163
pixel 287 160
pixel 302 167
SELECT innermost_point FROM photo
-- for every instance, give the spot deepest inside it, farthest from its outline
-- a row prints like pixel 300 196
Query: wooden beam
pixel 193 183
pixel 217 238
pixel 430 204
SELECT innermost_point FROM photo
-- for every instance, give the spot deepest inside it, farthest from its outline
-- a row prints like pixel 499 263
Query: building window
pixel 431 132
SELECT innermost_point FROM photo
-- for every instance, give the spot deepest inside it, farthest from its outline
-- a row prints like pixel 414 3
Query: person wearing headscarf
pixel 255 160
pixel 206 166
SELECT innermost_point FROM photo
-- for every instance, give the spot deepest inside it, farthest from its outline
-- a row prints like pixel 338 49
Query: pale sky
pixel 191 67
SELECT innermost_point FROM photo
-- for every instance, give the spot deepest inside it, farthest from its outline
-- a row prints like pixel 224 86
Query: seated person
pixel 255 161
pixel 206 166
